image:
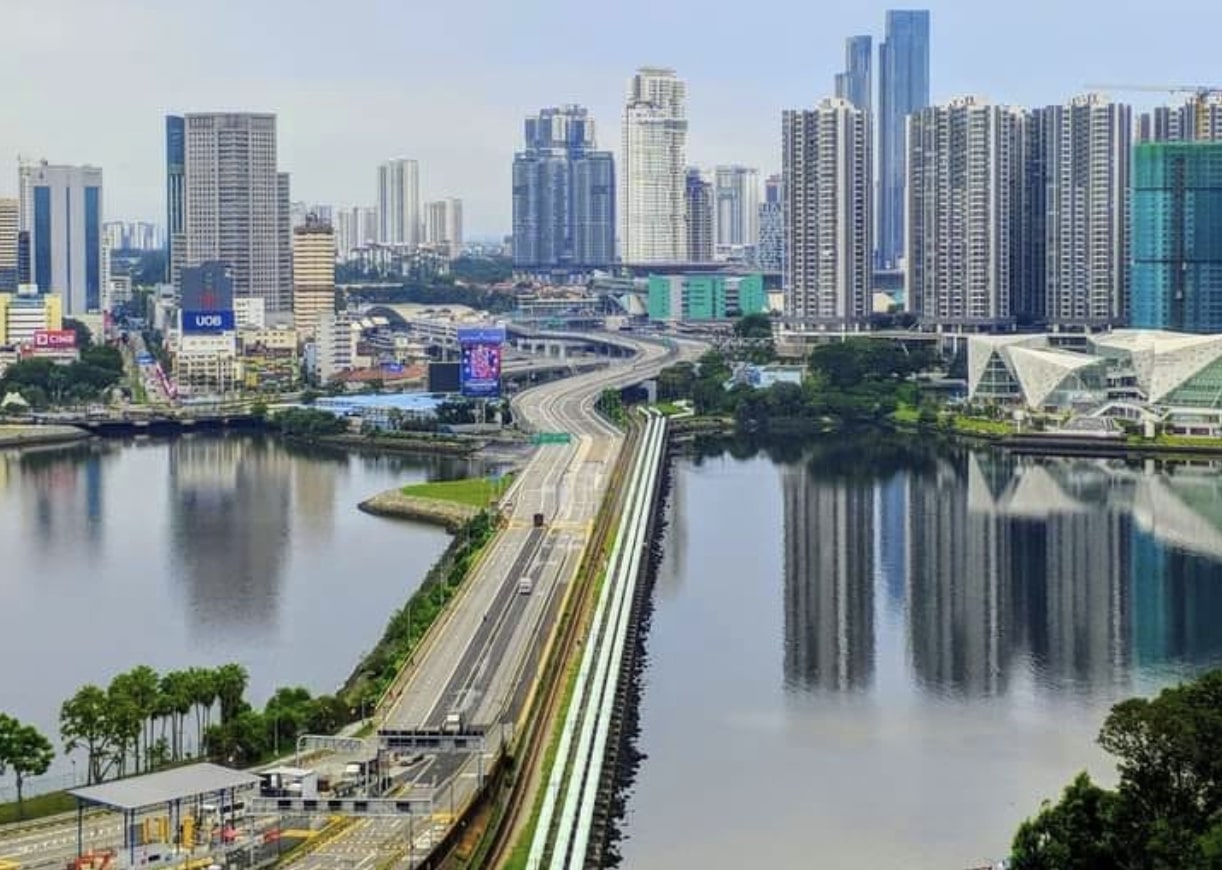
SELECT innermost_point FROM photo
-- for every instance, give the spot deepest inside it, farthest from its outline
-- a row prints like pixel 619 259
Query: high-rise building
pixel 1199 119
pixel 9 212
pixel 399 202
pixel 698 195
pixel 827 215
pixel 736 197
pixel 966 177
pixel 1085 157
pixel 235 203
pixel 563 195
pixel 903 61
pixel 175 196
pixel 652 225
pixel 61 209
pixel 1177 236
pixel 855 84
pixel 355 227
pixel 313 274
pixel 443 225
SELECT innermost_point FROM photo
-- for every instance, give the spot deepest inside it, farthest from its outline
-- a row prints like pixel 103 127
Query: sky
pixel 448 83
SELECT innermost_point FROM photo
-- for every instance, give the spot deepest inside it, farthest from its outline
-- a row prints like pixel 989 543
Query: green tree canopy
pixel 24 752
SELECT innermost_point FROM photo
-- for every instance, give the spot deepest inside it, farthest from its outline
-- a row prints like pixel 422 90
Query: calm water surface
pixel 877 655
pixel 197 551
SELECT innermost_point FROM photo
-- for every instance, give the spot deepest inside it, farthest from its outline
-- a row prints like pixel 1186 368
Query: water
pixel 197 551
pixel 874 654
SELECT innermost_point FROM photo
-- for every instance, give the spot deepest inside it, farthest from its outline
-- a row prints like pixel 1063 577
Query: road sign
pixel 551 438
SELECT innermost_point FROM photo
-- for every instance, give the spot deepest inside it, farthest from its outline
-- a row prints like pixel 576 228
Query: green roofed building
pixel 1177 236
pixel 705 297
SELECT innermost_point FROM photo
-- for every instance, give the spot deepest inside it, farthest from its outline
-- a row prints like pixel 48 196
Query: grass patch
pixel 37 807
pixel 472 491
pixel 1183 441
pixel 907 414
pixel 980 425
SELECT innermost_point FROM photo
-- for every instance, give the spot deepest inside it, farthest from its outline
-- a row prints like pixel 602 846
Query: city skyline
pixel 370 110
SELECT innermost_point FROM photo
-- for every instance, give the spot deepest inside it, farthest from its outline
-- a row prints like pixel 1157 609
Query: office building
pixel 653 175
pixel 61 209
pixel 736 198
pixel 443 226
pixel 26 311
pixel 903 61
pixel 564 196
pixel 313 274
pixel 235 203
pixel 966 247
pixel 175 196
pixel 855 84
pixel 1177 236
pixel 1083 155
pixel 828 222
pixel 399 202
pixel 698 211
pixel 705 297
pixel 335 347
pixel 9 222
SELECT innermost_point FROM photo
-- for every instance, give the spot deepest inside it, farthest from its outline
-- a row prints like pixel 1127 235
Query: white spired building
pixel 652 225
pixel 828 180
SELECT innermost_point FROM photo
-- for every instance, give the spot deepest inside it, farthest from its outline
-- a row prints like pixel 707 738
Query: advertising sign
pixel 54 339
pixel 481 361
pixel 207 321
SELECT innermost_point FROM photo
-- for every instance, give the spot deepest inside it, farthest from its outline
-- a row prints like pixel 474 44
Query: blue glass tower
pixel 903 61
pixel 855 84
pixel 1177 236
pixel 175 193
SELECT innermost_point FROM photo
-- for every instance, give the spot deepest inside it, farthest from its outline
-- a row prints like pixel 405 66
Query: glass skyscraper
pixel 903 89
pixel 1177 236
pixel 61 213
pixel 855 84
pixel 563 195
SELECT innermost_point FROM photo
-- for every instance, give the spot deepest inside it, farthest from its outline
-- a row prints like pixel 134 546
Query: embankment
pixel 28 436
pixel 393 503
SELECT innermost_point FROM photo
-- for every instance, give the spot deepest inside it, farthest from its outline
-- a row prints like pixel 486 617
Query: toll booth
pixel 288 782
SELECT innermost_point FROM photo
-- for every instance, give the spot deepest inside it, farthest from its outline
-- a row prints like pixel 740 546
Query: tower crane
pixel 1201 97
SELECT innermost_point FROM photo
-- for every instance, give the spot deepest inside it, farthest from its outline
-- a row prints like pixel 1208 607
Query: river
pixel 196 552
pixel 874 653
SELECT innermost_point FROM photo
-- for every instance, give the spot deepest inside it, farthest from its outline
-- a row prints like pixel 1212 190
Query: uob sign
pixel 207 321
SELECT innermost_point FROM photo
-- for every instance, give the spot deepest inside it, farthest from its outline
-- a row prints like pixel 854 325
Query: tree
pixel 1075 834
pixel 83 725
pixel 24 751
pixel 231 682
pixel 84 338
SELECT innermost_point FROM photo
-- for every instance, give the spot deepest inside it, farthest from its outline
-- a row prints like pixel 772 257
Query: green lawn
pixel 981 426
pixel 472 491
pixel 37 807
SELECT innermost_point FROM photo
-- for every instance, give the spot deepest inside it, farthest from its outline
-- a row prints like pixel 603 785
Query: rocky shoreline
pixel 394 504
pixel 25 435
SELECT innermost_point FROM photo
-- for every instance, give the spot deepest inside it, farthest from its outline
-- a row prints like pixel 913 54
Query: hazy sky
pixel 357 81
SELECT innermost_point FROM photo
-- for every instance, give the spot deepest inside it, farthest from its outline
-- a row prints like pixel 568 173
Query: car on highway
pixel 525 586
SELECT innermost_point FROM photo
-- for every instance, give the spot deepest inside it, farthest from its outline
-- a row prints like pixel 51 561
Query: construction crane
pixel 1202 96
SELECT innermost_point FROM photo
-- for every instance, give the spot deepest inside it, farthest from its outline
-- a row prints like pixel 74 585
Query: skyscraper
pixel 355 227
pixel 770 251
pixel 1085 162
pixel 235 203
pixel 903 61
pixel 698 195
pixel 443 225
pixel 965 201
pixel 1199 119
pixel 736 199
pixel 855 84
pixel 399 202
pixel 827 215
pixel 563 194
pixel 313 274
pixel 9 212
pixel 1177 236
pixel 61 209
pixel 175 196
pixel 652 226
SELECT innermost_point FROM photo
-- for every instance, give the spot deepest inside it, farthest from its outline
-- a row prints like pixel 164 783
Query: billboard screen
pixel 54 339
pixel 207 287
pixel 207 321
pixel 481 361
pixel 444 377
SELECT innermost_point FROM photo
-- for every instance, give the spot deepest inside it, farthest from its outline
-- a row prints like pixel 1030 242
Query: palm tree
pixel 144 689
pixel 201 686
pixel 176 693
pixel 231 681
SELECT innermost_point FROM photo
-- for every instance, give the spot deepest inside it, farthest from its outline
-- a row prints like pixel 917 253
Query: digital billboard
pixel 196 322
pixel 481 361
pixel 207 287
pixel 54 339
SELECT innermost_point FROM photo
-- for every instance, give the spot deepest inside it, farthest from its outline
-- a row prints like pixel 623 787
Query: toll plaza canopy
pixel 181 783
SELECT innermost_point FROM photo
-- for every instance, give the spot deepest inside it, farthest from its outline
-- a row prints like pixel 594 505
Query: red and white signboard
pixel 54 339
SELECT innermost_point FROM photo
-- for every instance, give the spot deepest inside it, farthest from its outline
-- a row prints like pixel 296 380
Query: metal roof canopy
pixel 140 792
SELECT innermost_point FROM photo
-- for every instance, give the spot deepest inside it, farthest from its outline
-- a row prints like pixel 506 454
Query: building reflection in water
pixel 65 485
pixel 230 525
pixel 1076 570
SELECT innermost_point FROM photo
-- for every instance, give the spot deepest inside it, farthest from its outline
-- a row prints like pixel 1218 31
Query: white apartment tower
pixel 827 214
pixel 1084 148
pixel 443 225
pixel 967 237
pixel 652 224
pixel 399 202
pixel 736 204
pixel 235 204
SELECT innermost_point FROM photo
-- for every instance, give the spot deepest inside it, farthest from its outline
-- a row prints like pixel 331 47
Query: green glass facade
pixel 705 297
pixel 1177 236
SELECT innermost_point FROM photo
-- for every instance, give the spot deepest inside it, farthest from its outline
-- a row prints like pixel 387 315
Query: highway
pixel 480 659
